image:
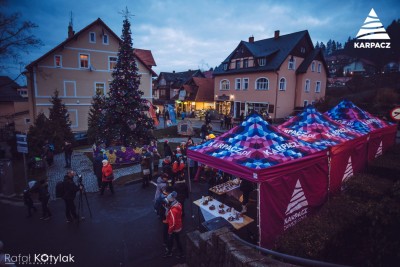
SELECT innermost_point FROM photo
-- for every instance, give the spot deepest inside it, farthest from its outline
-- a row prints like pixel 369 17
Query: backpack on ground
pixel 60 189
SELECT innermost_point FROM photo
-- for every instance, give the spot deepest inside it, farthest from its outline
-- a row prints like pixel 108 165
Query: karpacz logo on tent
pixel 372 29
pixel 297 208
pixel 299 133
pixel 230 148
pixel 280 148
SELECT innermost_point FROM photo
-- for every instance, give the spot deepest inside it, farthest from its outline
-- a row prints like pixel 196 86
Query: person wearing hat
pixel 107 177
pixel 174 220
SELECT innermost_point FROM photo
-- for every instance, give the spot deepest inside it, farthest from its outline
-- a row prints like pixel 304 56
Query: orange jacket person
pixel 107 177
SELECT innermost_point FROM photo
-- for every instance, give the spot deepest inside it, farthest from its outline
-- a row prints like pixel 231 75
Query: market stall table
pixel 230 188
pixel 229 212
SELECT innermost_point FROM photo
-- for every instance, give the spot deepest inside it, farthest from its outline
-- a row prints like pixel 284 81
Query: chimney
pixel 276 36
pixel 251 39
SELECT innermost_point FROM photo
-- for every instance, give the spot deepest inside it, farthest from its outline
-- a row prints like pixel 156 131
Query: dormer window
pixel 245 63
pixel 105 39
pixel 92 37
pixel 261 61
pixel 238 64
pixel 225 66
pixel 302 50
pixel 291 64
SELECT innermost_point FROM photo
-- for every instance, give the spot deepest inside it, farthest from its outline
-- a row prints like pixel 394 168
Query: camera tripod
pixel 82 193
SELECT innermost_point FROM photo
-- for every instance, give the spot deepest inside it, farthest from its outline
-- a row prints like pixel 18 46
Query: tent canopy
pixel 318 129
pixel 360 120
pixel 254 150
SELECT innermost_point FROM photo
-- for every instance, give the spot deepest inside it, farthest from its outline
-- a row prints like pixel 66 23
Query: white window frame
pixel 70 111
pixel 65 88
pixel 225 66
pixel 266 84
pixel 313 66
pixel 226 87
pixel 319 68
pixel 305 103
pixel 284 84
pixel 245 84
pixel 307 86
pixel 107 39
pixel 55 61
pixel 104 87
pixel 262 61
pixel 109 62
pixel 318 86
pixel 292 64
pixel 80 61
pixel 238 83
pixel 92 34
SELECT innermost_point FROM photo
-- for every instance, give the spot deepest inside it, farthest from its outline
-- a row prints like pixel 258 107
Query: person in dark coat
pixel 29 202
pixel 44 197
pixel 167 149
pixel 97 168
pixel 246 187
pixel 70 189
pixel 67 153
pixel 182 189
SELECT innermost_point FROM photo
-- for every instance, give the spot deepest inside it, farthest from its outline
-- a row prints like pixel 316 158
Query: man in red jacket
pixel 174 220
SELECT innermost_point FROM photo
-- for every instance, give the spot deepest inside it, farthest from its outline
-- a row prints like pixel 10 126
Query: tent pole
pixel 258 214
pixel 190 189
pixel 329 173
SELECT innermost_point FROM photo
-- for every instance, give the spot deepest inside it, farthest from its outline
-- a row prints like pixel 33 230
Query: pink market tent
pixel 381 134
pixel 291 176
pixel 347 147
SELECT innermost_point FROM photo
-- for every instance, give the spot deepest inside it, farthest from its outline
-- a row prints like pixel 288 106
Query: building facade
pixel 273 76
pixel 80 67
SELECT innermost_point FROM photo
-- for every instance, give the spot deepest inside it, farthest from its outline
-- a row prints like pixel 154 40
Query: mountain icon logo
pixel 372 29
pixel 298 200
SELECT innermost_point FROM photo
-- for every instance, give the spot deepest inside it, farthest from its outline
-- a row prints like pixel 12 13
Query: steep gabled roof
pixel 177 79
pixel 275 49
pixel 8 90
pixel 205 91
pixel 144 56
pixel 309 58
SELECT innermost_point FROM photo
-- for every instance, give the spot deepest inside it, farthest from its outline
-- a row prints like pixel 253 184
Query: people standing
pixel 146 168
pixel 29 202
pixel 107 177
pixel 44 197
pixel 246 187
pixel 48 153
pixel 69 193
pixel 204 131
pixel 167 149
pixel 67 153
pixel 156 160
pixel 174 220
pixel 182 190
pixel 98 169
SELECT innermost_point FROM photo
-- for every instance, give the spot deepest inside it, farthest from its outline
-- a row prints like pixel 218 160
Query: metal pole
pixel 258 214
pixel 25 171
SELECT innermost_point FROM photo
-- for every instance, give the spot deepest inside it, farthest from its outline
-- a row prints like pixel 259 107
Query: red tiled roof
pixel 146 56
pixel 206 89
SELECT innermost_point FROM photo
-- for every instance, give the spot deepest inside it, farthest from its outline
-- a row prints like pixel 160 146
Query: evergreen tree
pixel 60 124
pixel 126 121
pixel 96 120
pixel 38 134
pixel 317 45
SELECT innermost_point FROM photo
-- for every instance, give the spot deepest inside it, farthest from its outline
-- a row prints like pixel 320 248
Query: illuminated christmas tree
pixel 126 121
pixel 97 119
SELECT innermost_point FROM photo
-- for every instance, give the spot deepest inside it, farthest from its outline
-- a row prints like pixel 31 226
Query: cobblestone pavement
pixel 82 165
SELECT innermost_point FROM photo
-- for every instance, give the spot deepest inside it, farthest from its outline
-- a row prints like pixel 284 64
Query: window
pixel 58 61
pixel 224 85
pixel 302 50
pixel 237 83
pixel 262 84
pixel 305 103
pixel 238 64
pixel 84 61
pixel 282 84
pixel 313 102
pixel 92 37
pixel 112 61
pixel 245 83
pixel 225 66
pixel 261 61
pixel 313 66
pixel 319 68
pixel 100 88
pixel 261 108
pixel 318 87
pixel 105 39
pixel 245 63
pixel 27 121
pixel 307 86
pixel 291 64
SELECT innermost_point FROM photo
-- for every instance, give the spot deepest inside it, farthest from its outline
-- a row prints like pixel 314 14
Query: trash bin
pixel 216 223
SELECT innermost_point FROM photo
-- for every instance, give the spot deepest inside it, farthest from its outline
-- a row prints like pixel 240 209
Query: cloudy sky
pixel 195 34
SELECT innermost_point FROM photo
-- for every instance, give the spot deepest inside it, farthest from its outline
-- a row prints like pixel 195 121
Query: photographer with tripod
pixel 69 193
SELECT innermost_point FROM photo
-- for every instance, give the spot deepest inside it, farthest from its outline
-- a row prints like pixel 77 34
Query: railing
pixel 289 258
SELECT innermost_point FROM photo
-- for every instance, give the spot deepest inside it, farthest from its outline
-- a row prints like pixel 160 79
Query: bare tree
pixel 15 37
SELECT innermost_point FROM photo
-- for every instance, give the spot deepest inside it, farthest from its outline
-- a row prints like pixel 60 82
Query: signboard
pixel 22 143
pixel 395 114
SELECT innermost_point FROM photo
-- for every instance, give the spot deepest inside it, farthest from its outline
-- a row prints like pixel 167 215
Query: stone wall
pixel 220 248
